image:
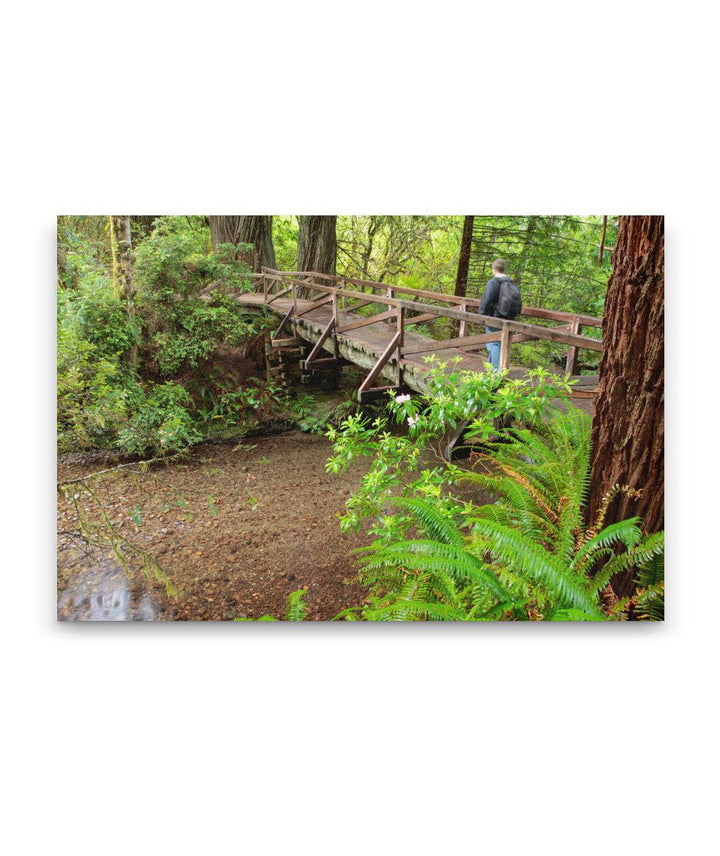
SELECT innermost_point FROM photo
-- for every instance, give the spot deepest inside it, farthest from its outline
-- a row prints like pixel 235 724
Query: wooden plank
pixel 517 337
pixel 360 305
pixel 278 294
pixel 529 311
pixel 462 329
pixel 336 319
pixel 373 393
pixel 314 306
pixel 401 342
pixel 421 319
pixel 282 323
pixel 380 364
pixel 505 345
pixel 324 362
pixel 447 344
pixel 284 343
pixel 514 326
pixel 553 315
pixel 365 322
pixel 321 341
pixel 572 353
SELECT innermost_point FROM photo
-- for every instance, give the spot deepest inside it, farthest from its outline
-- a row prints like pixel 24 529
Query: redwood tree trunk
pixel 317 244
pixel 461 280
pixel 628 430
pixel 122 268
pixel 255 230
pixel 122 257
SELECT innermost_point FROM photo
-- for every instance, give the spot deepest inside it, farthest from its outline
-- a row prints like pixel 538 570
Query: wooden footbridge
pixel 374 325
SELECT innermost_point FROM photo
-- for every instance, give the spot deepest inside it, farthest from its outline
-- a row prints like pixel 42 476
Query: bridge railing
pixel 345 291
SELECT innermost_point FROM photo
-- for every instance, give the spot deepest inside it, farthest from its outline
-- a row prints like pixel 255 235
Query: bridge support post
pixel 572 352
pixel 505 345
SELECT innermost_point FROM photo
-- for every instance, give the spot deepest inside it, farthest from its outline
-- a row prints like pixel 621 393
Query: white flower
pixel 402 399
pixel 413 420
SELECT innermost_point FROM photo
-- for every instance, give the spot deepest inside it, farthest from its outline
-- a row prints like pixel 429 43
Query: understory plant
pixel 411 460
pixel 142 377
pixel 519 549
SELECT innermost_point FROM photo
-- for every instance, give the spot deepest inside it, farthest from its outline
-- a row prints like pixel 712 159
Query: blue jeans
pixel 493 348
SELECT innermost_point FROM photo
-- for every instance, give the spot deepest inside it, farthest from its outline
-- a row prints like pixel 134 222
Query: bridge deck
pixel 364 345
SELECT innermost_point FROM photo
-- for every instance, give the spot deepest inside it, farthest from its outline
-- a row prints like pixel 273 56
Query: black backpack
pixel 509 302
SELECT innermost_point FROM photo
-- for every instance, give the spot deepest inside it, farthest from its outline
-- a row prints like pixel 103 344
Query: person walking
pixel 501 299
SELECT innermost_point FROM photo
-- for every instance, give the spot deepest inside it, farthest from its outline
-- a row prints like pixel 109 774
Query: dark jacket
pixel 490 297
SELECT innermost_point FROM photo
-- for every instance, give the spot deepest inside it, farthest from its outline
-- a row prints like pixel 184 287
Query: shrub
pixel 526 555
pixel 157 422
pixel 413 464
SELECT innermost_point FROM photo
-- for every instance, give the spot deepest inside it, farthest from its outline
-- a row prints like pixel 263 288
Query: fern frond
pixel 531 559
pixel 524 503
pixel 626 532
pixel 296 606
pixel 418 610
pixel 533 525
pixel 435 557
pixel 650 547
pixel 434 522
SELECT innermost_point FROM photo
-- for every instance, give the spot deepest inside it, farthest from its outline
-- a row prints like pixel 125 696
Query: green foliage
pixel 296 606
pixel 176 260
pixel 285 231
pixel 85 384
pixel 173 265
pixel 418 252
pixel 525 555
pixel 191 332
pixel 100 405
pixel 125 371
pixel 650 597
pixel 553 258
pixel 412 464
pixel 156 422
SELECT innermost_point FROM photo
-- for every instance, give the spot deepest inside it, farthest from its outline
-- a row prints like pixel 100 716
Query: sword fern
pixel 527 554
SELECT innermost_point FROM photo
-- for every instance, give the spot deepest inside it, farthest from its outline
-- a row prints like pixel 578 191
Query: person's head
pixel 498 266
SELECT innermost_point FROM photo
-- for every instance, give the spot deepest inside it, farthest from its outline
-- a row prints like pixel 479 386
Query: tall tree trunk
pixel 255 230
pixel 122 258
pixel 66 276
pixel 628 431
pixel 461 280
pixel 122 268
pixel 317 244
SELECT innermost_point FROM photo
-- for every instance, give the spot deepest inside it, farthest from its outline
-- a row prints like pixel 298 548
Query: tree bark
pixel 461 280
pixel 317 244
pixel 122 257
pixel 66 276
pixel 628 430
pixel 255 230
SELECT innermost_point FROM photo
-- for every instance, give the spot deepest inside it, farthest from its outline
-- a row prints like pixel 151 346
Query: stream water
pixel 104 593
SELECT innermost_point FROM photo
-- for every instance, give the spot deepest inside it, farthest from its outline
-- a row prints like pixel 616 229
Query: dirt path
pixel 256 524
